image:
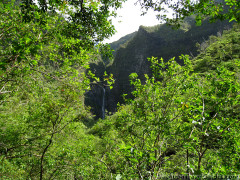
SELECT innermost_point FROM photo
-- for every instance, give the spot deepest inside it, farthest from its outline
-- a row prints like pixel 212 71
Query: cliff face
pixel 158 41
pixel 132 51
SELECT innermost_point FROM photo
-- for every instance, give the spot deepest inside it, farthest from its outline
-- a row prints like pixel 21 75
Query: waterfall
pixel 103 104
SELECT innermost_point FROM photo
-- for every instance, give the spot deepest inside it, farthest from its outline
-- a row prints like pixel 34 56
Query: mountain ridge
pixel 160 41
pixel 132 51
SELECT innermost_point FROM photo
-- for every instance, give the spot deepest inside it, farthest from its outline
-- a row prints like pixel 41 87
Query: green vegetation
pixel 115 45
pixel 183 120
pixel 221 50
pixel 159 41
pixel 44 59
pixel 201 9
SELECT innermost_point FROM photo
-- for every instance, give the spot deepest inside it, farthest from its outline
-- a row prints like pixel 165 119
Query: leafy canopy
pixel 45 51
pixel 214 9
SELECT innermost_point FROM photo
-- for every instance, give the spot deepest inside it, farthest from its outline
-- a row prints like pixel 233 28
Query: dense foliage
pixel 183 119
pixel 44 55
pixel 215 9
pixel 159 41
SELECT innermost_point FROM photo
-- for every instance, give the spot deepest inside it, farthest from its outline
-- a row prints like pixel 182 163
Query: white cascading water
pixel 103 104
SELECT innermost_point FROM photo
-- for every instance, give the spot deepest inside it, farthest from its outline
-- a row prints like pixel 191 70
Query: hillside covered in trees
pixel 183 119
pixel 131 54
pixel 181 116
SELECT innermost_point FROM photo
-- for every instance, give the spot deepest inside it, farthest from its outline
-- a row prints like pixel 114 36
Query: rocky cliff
pixel 158 41
pixel 132 51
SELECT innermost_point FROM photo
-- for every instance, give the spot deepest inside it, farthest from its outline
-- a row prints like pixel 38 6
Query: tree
pixel 214 9
pixel 180 123
pixel 183 120
pixel 87 20
pixel 44 53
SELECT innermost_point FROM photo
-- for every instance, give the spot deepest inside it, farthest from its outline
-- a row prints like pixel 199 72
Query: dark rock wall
pixel 132 52
pixel 159 41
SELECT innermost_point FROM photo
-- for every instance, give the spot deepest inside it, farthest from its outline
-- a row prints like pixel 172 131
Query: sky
pixel 129 19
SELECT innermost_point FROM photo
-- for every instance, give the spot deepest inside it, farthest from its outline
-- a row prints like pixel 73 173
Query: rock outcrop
pixel 160 41
pixel 132 52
